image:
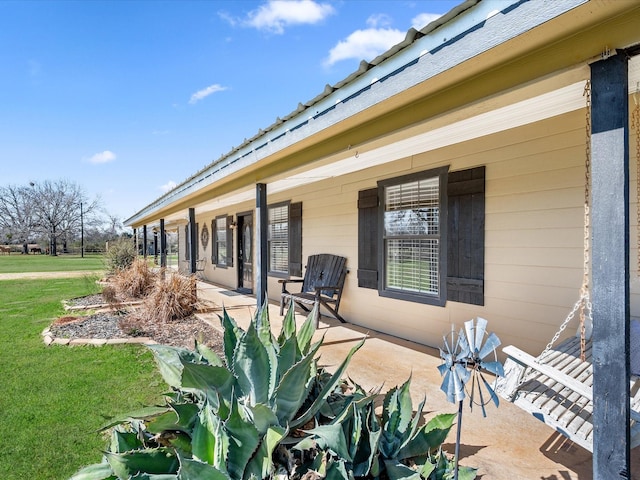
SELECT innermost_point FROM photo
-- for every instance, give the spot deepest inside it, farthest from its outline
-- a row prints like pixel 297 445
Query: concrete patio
pixel 508 444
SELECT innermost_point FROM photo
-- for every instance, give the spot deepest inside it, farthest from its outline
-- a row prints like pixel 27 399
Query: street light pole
pixel 81 233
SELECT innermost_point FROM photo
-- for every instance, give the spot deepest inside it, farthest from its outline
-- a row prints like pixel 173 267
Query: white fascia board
pixel 470 34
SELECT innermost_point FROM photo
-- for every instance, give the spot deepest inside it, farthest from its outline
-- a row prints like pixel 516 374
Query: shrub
pixel 173 297
pixel 120 255
pixel 110 294
pixel 135 281
pixel 132 325
pixel 265 409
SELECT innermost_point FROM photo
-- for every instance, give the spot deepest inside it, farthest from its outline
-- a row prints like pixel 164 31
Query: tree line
pixel 55 213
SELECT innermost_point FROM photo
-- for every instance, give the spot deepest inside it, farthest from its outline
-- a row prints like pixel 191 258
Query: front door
pixel 245 253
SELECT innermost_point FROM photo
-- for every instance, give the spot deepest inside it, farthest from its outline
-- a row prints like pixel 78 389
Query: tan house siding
pixel 534 229
pixel 533 235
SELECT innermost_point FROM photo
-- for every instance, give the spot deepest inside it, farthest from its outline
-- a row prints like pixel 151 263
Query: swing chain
pixel 584 303
pixel 584 293
pixel 579 305
pixel 587 160
pixel 635 125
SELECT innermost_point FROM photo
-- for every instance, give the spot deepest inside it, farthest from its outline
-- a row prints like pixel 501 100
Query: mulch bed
pixel 111 324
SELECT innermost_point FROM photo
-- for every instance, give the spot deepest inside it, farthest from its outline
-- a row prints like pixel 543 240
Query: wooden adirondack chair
pixel 322 284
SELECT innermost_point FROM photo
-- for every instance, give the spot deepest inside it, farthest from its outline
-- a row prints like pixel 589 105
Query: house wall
pixel 534 234
pixel 222 275
pixel 535 187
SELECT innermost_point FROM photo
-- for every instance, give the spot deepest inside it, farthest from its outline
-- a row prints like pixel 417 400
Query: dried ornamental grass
pixel 110 294
pixel 173 298
pixel 136 281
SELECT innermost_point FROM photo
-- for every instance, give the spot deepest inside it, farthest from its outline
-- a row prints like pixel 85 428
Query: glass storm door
pixel 245 253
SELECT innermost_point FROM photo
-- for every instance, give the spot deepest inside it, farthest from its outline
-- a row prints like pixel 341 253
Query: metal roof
pixel 320 111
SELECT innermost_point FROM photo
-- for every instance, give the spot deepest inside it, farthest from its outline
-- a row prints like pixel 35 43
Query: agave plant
pixel 225 416
pixel 357 443
pixel 264 409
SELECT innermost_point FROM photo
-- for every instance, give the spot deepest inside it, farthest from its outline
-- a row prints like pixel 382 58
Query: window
pixel 284 238
pixel 278 238
pixel 421 237
pixel 220 241
pixel 222 244
pixel 411 236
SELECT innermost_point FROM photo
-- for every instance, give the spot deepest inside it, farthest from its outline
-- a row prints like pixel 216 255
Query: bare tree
pixel 16 213
pixel 113 226
pixel 56 210
pixel 60 209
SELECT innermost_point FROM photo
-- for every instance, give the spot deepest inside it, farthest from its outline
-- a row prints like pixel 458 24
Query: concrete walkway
pixel 45 275
pixel 508 444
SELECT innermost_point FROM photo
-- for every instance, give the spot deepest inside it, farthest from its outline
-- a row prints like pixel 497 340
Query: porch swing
pixel 556 386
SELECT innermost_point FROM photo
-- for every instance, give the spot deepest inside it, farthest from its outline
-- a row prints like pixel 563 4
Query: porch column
pixel 192 241
pixel 262 255
pixel 144 241
pixel 135 239
pixel 155 246
pixel 610 271
pixel 163 245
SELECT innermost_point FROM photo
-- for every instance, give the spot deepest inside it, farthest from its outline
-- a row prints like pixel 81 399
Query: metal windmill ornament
pixel 468 357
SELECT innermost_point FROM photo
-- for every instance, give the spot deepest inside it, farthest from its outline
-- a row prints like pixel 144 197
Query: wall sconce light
pixel 233 225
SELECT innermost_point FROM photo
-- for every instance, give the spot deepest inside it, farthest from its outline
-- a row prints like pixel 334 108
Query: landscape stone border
pixel 204 306
pixel 97 306
pixel 50 339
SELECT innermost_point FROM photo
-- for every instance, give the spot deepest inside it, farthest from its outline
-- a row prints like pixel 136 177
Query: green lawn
pixel 54 399
pixel 16 263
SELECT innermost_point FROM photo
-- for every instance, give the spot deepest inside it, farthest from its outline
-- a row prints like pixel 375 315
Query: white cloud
pixel 368 43
pixel 275 15
pixel 103 157
pixel 170 185
pixel 365 44
pixel 424 19
pixel 228 18
pixel 205 92
pixel 379 20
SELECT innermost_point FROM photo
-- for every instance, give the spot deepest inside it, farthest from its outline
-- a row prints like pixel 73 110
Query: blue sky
pixel 127 98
